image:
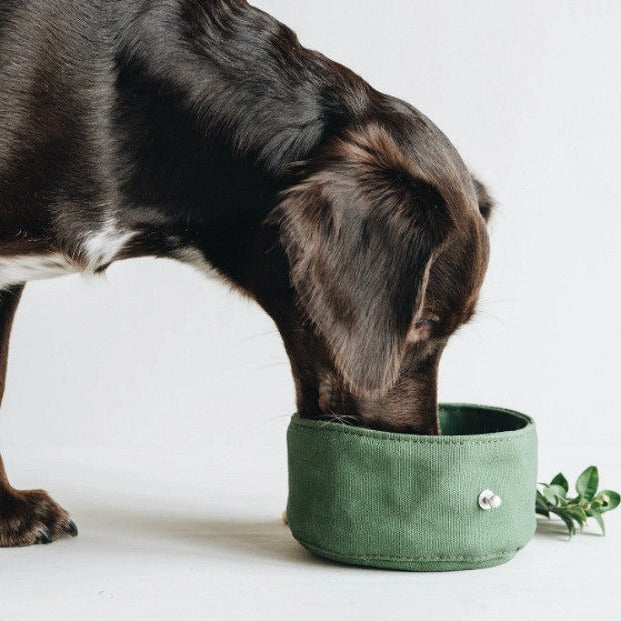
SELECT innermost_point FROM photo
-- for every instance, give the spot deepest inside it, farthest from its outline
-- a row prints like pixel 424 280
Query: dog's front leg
pixel 31 516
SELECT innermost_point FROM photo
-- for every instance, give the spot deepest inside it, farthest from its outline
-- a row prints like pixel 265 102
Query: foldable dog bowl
pixel 462 500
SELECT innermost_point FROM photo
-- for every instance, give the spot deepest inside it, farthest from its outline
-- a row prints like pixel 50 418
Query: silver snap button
pixel 488 500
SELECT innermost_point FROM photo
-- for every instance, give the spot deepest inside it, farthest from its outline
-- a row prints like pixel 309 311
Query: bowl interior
pixel 463 419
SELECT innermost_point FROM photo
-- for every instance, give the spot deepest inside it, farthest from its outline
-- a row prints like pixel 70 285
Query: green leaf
pixel 558 491
pixel 611 500
pixel 600 520
pixel 570 525
pixel 549 495
pixel 560 479
pixel 577 514
pixel 588 483
pixel 541 506
pixel 552 498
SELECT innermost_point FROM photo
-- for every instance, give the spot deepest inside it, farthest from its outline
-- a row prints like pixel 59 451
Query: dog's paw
pixel 29 517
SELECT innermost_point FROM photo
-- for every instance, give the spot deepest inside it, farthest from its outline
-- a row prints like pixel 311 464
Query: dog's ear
pixel 360 230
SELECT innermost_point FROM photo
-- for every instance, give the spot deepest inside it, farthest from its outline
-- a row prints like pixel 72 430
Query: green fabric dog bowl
pixel 462 500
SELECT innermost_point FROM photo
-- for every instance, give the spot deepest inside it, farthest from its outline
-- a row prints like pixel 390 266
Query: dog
pixel 202 131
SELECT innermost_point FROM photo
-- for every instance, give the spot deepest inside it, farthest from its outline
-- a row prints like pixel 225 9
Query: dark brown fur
pixel 204 126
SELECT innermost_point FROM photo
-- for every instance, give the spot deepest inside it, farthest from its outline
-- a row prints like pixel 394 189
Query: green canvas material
pixel 411 502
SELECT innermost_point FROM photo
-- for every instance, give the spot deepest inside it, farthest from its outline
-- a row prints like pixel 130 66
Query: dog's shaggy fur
pixel 202 130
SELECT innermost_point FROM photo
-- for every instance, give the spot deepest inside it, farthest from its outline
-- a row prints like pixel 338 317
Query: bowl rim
pixel 391 436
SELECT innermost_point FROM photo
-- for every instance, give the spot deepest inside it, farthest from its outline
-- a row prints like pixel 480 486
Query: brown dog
pixel 202 130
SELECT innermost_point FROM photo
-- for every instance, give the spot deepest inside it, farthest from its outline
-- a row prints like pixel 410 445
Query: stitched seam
pixel 405 559
pixel 300 423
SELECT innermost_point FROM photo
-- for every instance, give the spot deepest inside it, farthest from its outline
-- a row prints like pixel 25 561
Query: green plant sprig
pixel 553 498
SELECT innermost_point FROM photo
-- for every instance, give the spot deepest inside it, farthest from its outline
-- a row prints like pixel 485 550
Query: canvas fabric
pixel 410 502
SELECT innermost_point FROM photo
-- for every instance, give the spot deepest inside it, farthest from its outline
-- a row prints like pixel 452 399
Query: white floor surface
pixel 196 534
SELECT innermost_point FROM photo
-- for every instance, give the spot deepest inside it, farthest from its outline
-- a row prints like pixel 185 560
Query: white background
pixel 152 403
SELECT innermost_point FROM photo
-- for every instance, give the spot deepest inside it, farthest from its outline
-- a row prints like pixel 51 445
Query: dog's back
pixel 113 109
pixel 55 68
pixel 119 120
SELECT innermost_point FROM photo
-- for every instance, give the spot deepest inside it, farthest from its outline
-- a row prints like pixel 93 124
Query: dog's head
pixel 387 249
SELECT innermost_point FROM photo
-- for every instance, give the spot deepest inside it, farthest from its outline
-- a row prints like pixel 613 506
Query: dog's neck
pixel 217 155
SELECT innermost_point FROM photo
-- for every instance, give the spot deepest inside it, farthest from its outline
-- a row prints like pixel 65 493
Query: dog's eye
pixel 426 322
pixel 423 329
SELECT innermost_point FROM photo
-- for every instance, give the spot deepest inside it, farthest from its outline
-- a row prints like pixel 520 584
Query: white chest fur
pixel 97 250
pixel 22 268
